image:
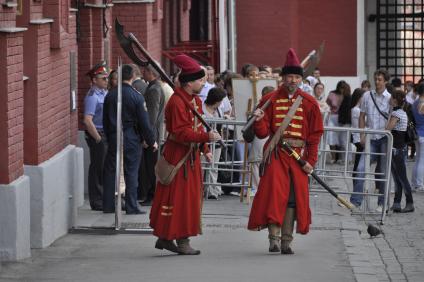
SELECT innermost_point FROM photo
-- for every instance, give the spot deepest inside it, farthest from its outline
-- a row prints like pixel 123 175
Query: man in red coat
pixel 283 195
pixel 176 208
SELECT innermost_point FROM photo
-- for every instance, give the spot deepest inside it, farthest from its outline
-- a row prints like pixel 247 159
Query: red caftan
pixel 270 202
pixel 176 208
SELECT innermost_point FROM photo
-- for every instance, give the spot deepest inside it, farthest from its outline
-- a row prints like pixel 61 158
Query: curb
pixel 358 258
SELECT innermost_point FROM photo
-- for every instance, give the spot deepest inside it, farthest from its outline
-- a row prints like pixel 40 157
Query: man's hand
pixel 214 136
pixel 155 147
pixel 145 146
pixel 308 168
pixel 259 114
pixel 209 157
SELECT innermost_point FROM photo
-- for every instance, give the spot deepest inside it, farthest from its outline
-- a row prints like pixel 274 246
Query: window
pixel 400 34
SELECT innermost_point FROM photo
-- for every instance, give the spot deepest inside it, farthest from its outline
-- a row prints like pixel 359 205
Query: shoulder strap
pixel 181 162
pixel 276 138
pixel 375 104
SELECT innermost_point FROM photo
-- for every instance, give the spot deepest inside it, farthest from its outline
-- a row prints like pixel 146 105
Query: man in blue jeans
pixel 375 109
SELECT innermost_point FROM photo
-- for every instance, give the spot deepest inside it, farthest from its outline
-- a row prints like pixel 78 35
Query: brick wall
pixel 303 25
pixel 11 107
pixel 7 15
pixel 134 19
pixel 49 124
pixel 146 21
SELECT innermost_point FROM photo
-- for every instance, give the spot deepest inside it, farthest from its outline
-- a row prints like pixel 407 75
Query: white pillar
pixel 223 37
pixel 232 35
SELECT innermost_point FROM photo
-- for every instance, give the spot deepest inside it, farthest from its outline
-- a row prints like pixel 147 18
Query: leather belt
pixel 172 138
pixel 295 143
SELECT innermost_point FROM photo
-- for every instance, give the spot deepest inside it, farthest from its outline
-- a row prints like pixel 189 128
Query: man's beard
pixel 292 87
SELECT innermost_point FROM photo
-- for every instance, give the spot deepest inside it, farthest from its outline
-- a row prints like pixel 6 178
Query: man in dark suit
pixel 135 128
pixel 155 102
pixel 139 84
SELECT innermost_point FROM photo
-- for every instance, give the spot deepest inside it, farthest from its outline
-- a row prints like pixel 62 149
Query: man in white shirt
pixel 225 106
pixel 210 77
pixel 370 117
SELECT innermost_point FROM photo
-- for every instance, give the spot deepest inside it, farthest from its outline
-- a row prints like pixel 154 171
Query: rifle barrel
pixel 302 162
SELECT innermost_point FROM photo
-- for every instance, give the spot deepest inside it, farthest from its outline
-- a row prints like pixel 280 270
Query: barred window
pixel 400 34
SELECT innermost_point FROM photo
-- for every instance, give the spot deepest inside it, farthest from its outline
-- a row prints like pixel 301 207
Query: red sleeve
pixel 181 124
pixel 316 129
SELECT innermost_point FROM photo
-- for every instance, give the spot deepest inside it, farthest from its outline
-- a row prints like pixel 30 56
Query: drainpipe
pixel 223 38
pixel 232 35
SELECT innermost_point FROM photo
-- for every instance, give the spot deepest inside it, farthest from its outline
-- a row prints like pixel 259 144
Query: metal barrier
pixel 234 162
pixel 229 168
pixel 346 172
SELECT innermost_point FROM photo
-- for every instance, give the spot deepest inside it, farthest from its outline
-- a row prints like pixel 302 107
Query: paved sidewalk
pixel 338 248
pixel 397 254
pixel 229 252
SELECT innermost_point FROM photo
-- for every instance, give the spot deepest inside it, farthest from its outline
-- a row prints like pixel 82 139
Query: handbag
pixel 411 133
pixel 165 172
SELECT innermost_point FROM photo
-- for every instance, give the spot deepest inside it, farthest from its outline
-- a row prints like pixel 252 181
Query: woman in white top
pixel 355 111
pixel 211 109
pixel 397 123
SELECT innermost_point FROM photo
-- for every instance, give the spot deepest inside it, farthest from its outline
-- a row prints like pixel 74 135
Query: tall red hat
pixel 292 65
pixel 190 69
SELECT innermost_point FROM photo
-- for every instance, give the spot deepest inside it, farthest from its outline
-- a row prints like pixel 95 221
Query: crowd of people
pixel 146 126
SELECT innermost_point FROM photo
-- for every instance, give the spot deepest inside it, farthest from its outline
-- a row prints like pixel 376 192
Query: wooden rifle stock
pixel 252 118
pixel 301 162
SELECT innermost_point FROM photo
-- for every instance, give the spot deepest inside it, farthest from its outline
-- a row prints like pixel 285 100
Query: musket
pixel 127 45
pixel 252 118
pixel 286 146
pixel 312 60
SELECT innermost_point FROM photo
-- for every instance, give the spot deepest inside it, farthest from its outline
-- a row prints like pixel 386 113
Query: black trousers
pixel 95 170
pixel 399 175
pixel 132 155
pixel 147 177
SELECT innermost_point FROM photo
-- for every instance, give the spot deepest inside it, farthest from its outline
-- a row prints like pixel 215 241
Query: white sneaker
pixel 379 209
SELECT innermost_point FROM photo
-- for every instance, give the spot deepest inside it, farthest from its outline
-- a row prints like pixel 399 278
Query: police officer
pixel 93 120
pixel 136 128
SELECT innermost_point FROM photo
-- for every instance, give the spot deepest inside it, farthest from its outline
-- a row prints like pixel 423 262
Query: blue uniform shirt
pixel 93 104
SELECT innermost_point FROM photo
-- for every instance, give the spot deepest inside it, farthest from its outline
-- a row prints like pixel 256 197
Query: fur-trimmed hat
pixel 190 69
pixel 292 65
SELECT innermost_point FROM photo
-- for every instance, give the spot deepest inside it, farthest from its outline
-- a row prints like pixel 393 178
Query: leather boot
pixel 287 232
pixel 274 238
pixel 409 207
pixel 167 245
pixel 184 247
